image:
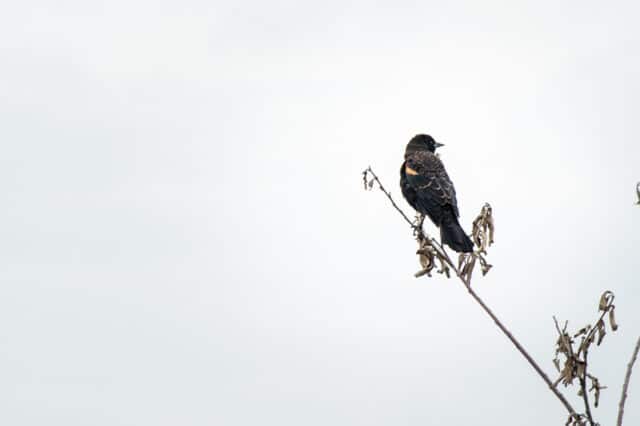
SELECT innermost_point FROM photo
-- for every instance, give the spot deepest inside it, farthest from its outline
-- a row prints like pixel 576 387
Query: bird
pixel 426 186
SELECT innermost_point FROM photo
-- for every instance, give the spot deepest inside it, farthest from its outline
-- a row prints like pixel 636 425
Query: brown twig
pixel 585 343
pixel 523 351
pixel 584 348
pixel 577 361
pixel 625 386
pixel 495 319
pixel 388 194
pixel 582 378
pixel 562 335
pixel 583 389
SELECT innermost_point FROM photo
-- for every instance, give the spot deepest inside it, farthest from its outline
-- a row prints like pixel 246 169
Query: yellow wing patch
pixel 408 170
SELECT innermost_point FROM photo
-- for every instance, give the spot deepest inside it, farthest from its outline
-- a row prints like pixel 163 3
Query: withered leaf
pixel 612 319
pixel 491 230
pixel 483 223
pixel 595 386
pixel 586 342
pixel 564 344
pixel 472 264
pixel 601 332
pixel 606 300
pixel 602 306
pixel 485 268
pixel 583 330
pixel 426 258
pixel 364 178
pixel 568 372
pixel 421 273
pixel 461 258
pixel 444 268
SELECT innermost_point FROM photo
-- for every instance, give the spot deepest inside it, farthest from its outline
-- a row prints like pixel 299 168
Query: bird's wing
pixel 427 175
pixel 408 192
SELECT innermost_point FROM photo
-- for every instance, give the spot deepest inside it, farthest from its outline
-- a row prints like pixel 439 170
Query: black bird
pixel 426 186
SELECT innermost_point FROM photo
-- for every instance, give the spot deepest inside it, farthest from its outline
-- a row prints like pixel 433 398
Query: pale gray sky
pixel 185 238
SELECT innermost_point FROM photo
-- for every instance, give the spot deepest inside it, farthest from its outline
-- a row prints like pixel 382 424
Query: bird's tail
pixel 452 234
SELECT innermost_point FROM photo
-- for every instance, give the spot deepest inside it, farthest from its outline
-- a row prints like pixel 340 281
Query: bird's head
pixel 422 143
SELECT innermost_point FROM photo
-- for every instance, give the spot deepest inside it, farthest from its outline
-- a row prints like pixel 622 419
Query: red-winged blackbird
pixel 427 187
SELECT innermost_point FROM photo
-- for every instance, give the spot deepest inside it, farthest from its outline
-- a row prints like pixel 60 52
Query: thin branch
pixel 557 382
pixel 467 284
pixel 388 194
pixel 625 387
pixel 584 348
pixel 585 342
pixel 583 389
pixel 582 378
pixel 523 351
pixel 562 336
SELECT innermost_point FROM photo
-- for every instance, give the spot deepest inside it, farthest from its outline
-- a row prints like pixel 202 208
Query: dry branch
pixel 627 378
pixel 483 234
pixel 576 361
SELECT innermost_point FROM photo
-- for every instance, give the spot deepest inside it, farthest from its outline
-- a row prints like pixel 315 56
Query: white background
pixel 184 237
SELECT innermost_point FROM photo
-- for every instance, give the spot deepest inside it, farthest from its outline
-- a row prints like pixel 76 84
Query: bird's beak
pixel 438 144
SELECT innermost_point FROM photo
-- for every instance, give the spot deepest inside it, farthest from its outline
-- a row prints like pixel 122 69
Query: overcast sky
pixel 185 238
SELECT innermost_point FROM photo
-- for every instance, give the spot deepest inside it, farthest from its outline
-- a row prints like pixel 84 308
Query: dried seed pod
pixel 444 268
pixel 472 264
pixel 606 300
pixel 583 330
pixel 364 178
pixel 485 267
pixel 421 273
pixel 461 259
pixel 483 228
pixel 595 386
pixel 601 332
pixel 426 257
pixel 568 372
pixel 612 319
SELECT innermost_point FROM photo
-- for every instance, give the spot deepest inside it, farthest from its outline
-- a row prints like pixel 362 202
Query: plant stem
pixel 477 298
pixel 583 389
pixel 625 387
pixel 523 351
